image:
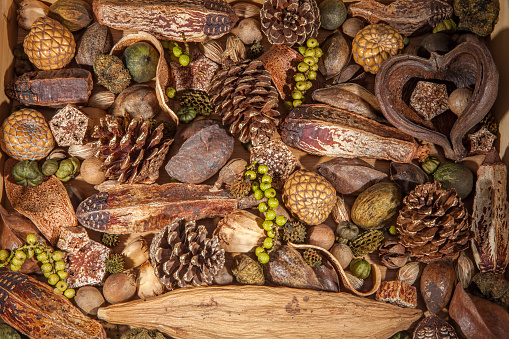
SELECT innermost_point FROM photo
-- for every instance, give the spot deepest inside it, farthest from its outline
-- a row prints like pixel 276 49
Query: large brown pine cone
pixel 182 255
pixel 246 99
pixel 290 21
pixel 132 151
pixel 433 224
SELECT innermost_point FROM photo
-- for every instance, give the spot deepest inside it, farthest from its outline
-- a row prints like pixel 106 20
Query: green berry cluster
pixel 183 57
pixel 307 71
pixel 261 184
pixel 52 262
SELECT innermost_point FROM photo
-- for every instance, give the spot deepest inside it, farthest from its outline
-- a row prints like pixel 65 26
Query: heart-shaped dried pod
pixel 407 176
pixel 437 284
pixel 468 65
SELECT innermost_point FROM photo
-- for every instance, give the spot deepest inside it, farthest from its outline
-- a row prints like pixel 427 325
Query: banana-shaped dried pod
pixel 338 97
pixel 362 92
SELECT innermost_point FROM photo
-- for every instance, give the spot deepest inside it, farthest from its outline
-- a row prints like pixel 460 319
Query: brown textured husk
pixel 162 72
pixel 48 205
pixel 241 312
pixel 324 130
pixel 53 88
pixel 32 308
pixel 406 16
pixel 140 208
pixel 169 19
pixel 437 284
pixel 490 224
pixel 469 64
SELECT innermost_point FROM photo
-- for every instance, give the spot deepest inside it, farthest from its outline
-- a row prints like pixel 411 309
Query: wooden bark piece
pixel 48 205
pixel 469 64
pixel 140 208
pixel 490 224
pixel 52 88
pixel 162 72
pixel 241 312
pixel 324 130
pixel 406 16
pixel 193 20
pixel 32 308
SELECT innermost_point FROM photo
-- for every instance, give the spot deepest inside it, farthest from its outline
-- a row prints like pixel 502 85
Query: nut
pixel 409 273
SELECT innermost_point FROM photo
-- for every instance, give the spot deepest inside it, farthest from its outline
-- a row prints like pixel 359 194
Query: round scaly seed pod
pixel 309 196
pixel 25 135
pixel 375 43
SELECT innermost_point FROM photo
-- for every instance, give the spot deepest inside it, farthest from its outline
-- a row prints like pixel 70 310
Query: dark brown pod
pixel 437 284
pixel 350 176
pixel 407 176
pixel 432 327
pixel 336 55
pixel 469 64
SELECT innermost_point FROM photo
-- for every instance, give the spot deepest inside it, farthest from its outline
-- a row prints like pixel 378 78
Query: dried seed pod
pixel 136 252
pixel 148 283
pixel 320 235
pixel 82 152
pixel 392 254
pixel 29 11
pixel 246 10
pixel 409 273
pixel 229 173
pixel 346 231
pixel 356 282
pixel 248 271
pixel 102 99
pixel 212 50
pixel 340 211
pixel 343 253
pixel 464 269
pixel 235 50
pixel 248 31
pixel 240 231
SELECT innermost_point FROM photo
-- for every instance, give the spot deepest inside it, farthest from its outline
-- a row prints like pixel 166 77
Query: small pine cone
pixel 290 21
pixel 244 96
pixel 294 231
pixel 366 243
pixel 312 257
pixel 433 224
pixel 182 255
pixel 115 263
pixel 131 151
pixel 198 100
pixel 110 240
pixel 240 188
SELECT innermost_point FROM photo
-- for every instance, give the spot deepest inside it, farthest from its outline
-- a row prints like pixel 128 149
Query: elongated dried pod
pixel 102 99
pixel 340 97
pixel 340 211
pixel 33 309
pixel 490 224
pixel 464 270
pixel 324 130
pixel 375 271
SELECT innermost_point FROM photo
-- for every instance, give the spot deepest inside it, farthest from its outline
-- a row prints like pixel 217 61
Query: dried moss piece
pixel 198 100
pixel 477 16
pixel 111 73
pixel 240 188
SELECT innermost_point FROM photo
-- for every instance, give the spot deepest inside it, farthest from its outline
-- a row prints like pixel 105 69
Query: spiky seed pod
pixel 244 96
pixel 293 231
pixel 182 255
pixel 198 100
pixel 290 21
pixel 131 151
pixel 312 257
pixel 115 263
pixel 433 223
pixel 240 188
pixel 366 243
pixel 110 240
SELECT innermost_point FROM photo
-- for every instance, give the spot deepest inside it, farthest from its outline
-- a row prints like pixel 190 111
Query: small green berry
pixel 318 52
pixel 297 103
pixel 297 95
pixel 268 243
pixel 270 215
pixel 310 52
pixel 62 274
pixel 15 268
pixel 393 230
pixel 38 250
pixel 255 185
pixel 46 268
pixel 301 85
pixel 258 194
pixel 302 50
pixel 312 75
pixel 263 169
pixel 310 60
pixel 266 178
pixel 171 92
pixel 302 67
pixel 57 291
pixel 57 255
pixel 316 60
pixel 312 43
pixel 288 105
pixel 20 255
pixel 17 262
pixel 270 193
pixel 251 175
pixel 59 265
pixel 31 239
pixel 61 285
pixel 184 60
pixel 30 253
pixel 273 202
pixel 314 68
pixel 176 51
pixel 259 250
pixel 271 234
pixel 47 274
pixel 267 225
pixel 53 279
pixel 265 186
pixel 70 293
pixel 299 77
pixel 309 84
pixel 263 258
pixel 262 207
pixel 4 254
pixel 281 220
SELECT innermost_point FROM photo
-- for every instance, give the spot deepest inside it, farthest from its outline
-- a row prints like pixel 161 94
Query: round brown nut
pixel 119 287
pixel 459 100
pixel 89 299
pixel 320 235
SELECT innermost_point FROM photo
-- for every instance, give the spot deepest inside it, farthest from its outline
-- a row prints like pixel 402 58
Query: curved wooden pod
pixel 469 64
pixel 261 312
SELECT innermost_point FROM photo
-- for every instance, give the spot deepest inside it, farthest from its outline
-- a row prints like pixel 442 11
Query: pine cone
pixel 294 231
pixel 433 224
pixel 246 99
pixel 132 151
pixel 182 255
pixel 290 21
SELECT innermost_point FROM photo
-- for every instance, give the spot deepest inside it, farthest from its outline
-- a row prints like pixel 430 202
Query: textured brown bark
pixel 324 130
pixel 248 312
pixel 128 209
pixel 33 309
pixel 52 88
